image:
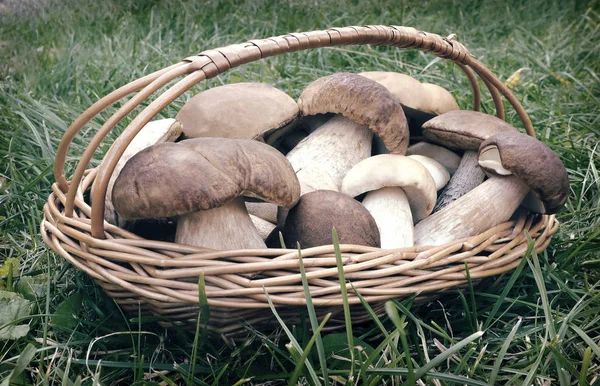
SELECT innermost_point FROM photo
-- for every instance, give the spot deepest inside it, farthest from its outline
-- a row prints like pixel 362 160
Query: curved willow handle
pixel 211 63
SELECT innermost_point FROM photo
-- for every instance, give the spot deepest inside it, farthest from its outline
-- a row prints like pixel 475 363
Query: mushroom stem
pixel 468 176
pixel 391 211
pixel 226 227
pixel 330 151
pixel 263 226
pixel 484 207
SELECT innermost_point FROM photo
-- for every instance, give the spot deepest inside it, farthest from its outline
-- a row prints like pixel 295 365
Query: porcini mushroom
pixel 363 106
pixel 420 101
pixel 240 110
pixel 446 157
pixel 203 181
pixel 521 163
pixel 400 192
pixel 153 132
pixel 311 220
pixel 463 130
pixel 437 170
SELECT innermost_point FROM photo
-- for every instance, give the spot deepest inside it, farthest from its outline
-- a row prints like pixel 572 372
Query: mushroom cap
pixel 362 100
pixel 239 110
pixel 394 170
pixel 316 213
pixel 171 179
pixel 464 129
pixel 440 174
pixel 161 130
pixel 531 161
pixel 446 157
pixel 417 97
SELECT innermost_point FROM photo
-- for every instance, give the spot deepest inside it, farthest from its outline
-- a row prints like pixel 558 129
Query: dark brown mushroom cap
pixel 535 164
pixel 171 179
pixel 362 100
pixel 464 129
pixel 239 110
pixel 316 213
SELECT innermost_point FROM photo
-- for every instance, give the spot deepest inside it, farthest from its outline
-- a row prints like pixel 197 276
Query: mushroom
pixel 446 157
pixel 243 111
pixel 323 158
pixel 464 130
pixel 516 163
pixel 263 227
pixel 503 154
pixel 311 220
pixel 400 192
pixel 420 101
pixel 154 132
pixel 240 110
pixel 437 170
pixel 203 181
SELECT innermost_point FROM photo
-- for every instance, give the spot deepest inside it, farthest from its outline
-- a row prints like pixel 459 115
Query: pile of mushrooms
pixel 245 166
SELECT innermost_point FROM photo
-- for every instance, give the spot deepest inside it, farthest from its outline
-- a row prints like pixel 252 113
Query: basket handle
pixel 211 63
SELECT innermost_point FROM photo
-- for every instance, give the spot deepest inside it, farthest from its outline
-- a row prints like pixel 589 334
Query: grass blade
pixel 293 341
pixel 422 371
pixel 400 324
pixel 585 365
pixel 455 379
pixel 502 353
pixel 22 363
pixel 304 356
pixel 347 318
pixel 200 325
pixel 586 338
pixel 509 285
pixel 314 323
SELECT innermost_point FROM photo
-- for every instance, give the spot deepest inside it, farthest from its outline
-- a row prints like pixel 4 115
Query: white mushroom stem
pixel 323 158
pixel 263 227
pixel 468 176
pixel 226 227
pixel 391 211
pixel 484 207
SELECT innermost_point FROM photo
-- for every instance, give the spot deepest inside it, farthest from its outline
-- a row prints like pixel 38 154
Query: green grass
pixel 540 323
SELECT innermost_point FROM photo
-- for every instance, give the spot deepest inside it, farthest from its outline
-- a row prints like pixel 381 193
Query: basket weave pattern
pixel 161 278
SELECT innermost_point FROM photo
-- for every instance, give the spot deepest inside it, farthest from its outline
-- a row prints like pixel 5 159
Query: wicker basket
pixel 160 278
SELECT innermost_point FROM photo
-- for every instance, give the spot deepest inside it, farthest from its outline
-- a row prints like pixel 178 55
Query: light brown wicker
pixel 160 278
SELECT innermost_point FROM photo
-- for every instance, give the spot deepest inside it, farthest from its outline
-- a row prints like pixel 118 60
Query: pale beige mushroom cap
pixel 390 170
pixel 440 174
pixel 239 110
pixel 423 97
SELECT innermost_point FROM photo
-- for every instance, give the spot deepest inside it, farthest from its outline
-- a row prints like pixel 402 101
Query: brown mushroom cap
pixel 464 129
pixel 361 100
pixel 532 162
pixel 172 179
pixel 240 110
pixel 311 220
